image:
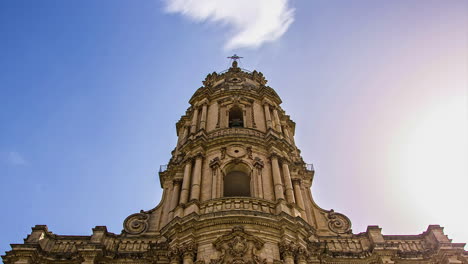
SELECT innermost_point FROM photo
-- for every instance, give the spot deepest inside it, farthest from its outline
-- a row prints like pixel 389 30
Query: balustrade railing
pixel 237 203
pixel 236 131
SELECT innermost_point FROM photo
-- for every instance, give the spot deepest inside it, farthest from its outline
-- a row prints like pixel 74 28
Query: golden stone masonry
pixel 236 191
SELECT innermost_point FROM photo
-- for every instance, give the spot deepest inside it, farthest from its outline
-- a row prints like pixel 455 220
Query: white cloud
pixel 253 22
pixel 14 158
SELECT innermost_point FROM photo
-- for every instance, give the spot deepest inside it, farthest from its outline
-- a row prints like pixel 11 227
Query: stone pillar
pixel 287 251
pixel 277 178
pixel 277 120
pixel 186 132
pixel 174 255
pixel 266 107
pixel 286 133
pixel 288 184
pixel 193 128
pixel 184 195
pixel 175 197
pixel 189 251
pixel 258 176
pixel 167 194
pixel 203 116
pixel 195 192
pixel 297 193
pixel 214 164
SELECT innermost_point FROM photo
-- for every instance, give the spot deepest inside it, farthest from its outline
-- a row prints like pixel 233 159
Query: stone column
pixel 195 192
pixel 286 133
pixel 277 120
pixel 258 176
pixel 189 251
pixel 288 184
pixel 297 193
pixel 186 182
pixel 287 251
pixel 277 178
pixel 203 116
pixel 214 164
pixel 174 255
pixel 186 131
pixel 175 197
pixel 266 107
pixel 193 128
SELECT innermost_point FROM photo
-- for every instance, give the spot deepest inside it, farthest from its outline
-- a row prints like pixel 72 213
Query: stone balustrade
pixel 237 203
pixel 236 131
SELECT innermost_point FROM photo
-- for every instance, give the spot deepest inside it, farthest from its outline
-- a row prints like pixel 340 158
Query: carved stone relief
pixel 238 247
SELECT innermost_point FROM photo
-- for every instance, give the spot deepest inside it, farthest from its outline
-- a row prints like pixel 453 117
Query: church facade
pixel 236 191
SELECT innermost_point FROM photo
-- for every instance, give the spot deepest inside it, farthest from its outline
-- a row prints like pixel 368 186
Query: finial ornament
pixel 234 59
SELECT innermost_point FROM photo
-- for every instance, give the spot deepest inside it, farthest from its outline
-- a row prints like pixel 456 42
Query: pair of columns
pixel 292 187
pixel 189 185
pixel 204 111
pixel 277 125
pixel 277 182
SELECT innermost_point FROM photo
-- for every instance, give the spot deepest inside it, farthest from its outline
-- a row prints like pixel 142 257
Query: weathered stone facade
pixel 236 191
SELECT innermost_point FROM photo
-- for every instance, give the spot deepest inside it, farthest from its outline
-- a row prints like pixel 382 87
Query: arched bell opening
pixel 236 117
pixel 237 181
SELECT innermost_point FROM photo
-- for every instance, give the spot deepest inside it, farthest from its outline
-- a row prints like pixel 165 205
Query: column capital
pixel 296 181
pixel 275 155
pixel 199 155
pixel 177 181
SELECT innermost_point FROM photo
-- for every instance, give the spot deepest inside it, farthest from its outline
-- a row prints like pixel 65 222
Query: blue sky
pixel 90 92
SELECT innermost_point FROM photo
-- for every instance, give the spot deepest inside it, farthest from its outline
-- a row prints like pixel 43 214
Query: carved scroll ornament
pixel 136 223
pixel 338 223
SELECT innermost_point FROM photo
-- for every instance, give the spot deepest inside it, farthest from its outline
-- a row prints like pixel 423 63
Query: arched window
pixel 236 183
pixel 236 118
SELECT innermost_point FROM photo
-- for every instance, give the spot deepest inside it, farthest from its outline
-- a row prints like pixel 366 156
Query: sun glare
pixel 431 158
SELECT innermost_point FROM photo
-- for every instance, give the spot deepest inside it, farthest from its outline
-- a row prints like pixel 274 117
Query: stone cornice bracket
pixel 215 163
pixel 258 163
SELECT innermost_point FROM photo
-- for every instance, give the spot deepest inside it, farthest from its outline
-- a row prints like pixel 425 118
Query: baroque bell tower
pixel 235 155
pixel 236 191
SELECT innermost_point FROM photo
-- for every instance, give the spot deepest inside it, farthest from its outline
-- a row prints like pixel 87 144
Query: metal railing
pixel 162 168
pixel 309 167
